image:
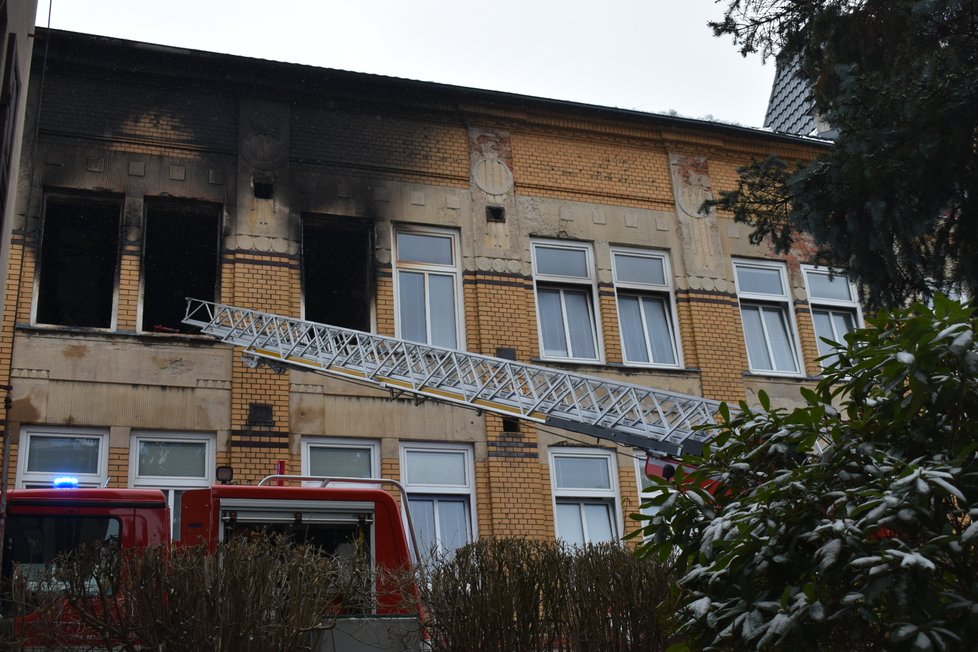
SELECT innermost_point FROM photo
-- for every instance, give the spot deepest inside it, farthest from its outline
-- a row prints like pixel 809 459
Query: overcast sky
pixel 647 55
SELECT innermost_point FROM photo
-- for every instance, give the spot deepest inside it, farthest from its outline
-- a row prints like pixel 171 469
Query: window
pixel 835 310
pixel 428 287
pixel 645 308
pixel 180 260
pixel 78 261
pixel 337 271
pixel 440 486
pixel 50 452
pixel 585 485
pixel 173 463
pixel 332 457
pixel 765 310
pixel 565 287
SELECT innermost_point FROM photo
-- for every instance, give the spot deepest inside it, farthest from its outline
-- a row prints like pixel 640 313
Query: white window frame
pixel 611 496
pixel 169 485
pixel 345 443
pixel 763 300
pixel 664 291
pixel 561 283
pixel 466 490
pixel 45 479
pixel 427 269
pixel 830 305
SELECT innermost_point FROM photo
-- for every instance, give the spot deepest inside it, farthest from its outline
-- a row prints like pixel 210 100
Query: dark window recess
pixel 180 260
pixel 264 188
pixel 495 214
pixel 337 270
pixel 79 254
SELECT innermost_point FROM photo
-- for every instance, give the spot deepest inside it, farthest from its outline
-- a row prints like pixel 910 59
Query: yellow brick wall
pixel 119 467
pixel 591 168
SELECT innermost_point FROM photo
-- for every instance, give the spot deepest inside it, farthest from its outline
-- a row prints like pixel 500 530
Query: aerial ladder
pixel 660 422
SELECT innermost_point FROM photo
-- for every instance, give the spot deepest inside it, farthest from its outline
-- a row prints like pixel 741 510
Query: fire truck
pixel 342 514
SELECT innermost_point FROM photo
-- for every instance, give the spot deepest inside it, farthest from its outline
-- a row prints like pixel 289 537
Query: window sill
pixel 104 333
pixel 628 370
pixel 799 378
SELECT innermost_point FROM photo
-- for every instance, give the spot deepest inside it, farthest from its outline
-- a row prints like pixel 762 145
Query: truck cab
pixel 45 523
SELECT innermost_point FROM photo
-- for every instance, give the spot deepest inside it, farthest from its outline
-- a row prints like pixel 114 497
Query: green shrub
pixel 848 527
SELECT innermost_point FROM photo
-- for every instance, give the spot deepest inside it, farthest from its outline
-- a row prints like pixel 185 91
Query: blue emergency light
pixel 65 482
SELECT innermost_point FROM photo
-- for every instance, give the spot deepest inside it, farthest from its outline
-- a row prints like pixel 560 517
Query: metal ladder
pixel 653 420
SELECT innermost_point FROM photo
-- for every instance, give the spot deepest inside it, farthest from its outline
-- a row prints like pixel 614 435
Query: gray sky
pixel 647 55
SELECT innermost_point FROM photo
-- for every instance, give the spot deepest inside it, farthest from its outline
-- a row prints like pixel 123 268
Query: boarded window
pixel 337 266
pixel 79 256
pixel 180 260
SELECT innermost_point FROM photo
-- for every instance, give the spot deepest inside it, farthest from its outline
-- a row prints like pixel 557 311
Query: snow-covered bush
pixel 850 528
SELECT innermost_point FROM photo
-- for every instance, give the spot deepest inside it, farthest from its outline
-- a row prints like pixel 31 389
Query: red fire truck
pixel 351 518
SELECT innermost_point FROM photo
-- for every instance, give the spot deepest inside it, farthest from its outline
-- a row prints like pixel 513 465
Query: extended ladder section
pixel 631 415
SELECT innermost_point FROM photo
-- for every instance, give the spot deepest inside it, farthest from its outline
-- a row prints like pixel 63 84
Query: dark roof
pixel 791 109
pixel 78 49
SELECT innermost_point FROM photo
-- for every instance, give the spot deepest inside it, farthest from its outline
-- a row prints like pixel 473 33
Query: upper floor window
pixel 441 491
pixel 337 271
pixel 645 307
pixel 79 258
pixel 585 486
pixel 765 310
pixel 566 310
pixel 51 452
pixel 180 259
pixel 835 309
pixel 428 281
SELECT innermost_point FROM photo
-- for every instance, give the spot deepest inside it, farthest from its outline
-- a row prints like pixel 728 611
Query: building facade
pixel 531 229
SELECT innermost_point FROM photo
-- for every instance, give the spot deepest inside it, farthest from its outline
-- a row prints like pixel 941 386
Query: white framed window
pixel 835 308
pixel 767 317
pixel 336 457
pixel 428 286
pixel 172 462
pixel 440 481
pixel 587 508
pixel 646 309
pixel 49 452
pixel 566 291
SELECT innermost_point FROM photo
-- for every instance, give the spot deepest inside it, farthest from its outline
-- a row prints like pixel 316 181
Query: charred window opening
pixel 264 188
pixel 180 260
pixel 495 214
pixel 337 270
pixel 79 254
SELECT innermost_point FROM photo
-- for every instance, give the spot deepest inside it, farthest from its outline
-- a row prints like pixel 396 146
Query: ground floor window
pixel 50 452
pixel 585 486
pixel 440 485
pixel 173 463
pixel 334 457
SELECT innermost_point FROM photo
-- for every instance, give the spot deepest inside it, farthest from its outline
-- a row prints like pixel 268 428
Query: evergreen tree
pixel 895 202
pixel 839 528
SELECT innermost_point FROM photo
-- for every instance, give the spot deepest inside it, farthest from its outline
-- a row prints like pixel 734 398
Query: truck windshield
pixel 32 543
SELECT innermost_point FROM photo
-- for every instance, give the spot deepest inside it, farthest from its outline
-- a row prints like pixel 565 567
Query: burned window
pixel 337 256
pixel 180 260
pixel 79 256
